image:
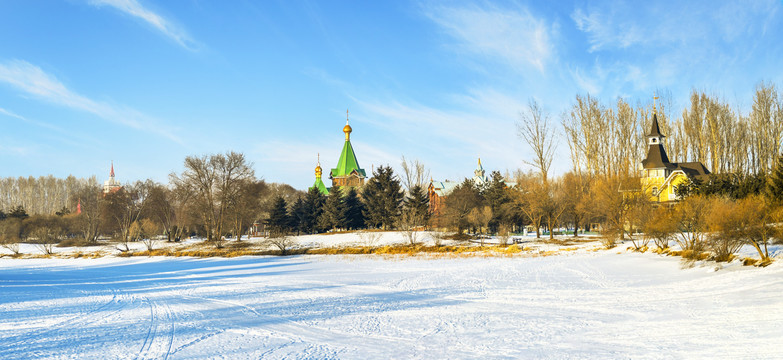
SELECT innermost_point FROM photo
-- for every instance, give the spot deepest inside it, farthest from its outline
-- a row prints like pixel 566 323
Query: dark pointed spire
pixel 655 131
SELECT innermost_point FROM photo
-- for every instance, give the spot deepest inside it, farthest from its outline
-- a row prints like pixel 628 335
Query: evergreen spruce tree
pixel 298 215
pixel 418 204
pixel 18 212
pixel 382 198
pixel 496 195
pixel 332 216
pixel 279 220
pixel 313 204
pixel 352 210
pixel 775 182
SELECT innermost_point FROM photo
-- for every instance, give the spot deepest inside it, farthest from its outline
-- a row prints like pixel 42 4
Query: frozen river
pixel 584 305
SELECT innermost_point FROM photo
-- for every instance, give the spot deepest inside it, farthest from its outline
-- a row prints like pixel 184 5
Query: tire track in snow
pixel 160 335
pixel 296 333
pixel 24 342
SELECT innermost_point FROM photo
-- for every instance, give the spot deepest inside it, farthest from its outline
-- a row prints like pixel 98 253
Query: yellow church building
pixel 659 176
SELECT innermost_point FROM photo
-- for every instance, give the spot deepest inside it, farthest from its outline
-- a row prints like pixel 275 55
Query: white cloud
pixel 34 81
pixel 11 114
pixel 606 29
pixel 451 140
pixel 165 26
pixel 514 36
pixel 680 25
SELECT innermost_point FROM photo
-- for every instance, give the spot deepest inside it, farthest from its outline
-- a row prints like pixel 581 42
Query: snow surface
pixel 582 304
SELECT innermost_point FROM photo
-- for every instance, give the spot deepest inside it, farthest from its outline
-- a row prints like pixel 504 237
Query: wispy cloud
pixel 605 29
pixel 642 46
pixel 485 121
pixel 31 80
pixel 67 136
pixel 680 25
pixel 513 35
pixel 163 25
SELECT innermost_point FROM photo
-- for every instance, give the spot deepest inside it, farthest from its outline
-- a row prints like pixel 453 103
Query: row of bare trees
pixel 610 140
pixel 215 196
pixel 42 195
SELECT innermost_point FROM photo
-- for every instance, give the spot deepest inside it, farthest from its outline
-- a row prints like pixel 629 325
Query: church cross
pixel 655 97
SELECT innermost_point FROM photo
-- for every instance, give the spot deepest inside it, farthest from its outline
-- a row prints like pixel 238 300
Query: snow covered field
pixel 583 304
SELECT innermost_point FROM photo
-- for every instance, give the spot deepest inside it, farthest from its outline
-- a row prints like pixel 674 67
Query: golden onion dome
pixel 318 171
pixel 347 130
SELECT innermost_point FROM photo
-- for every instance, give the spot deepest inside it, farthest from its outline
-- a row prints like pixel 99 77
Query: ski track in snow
pixel 584 305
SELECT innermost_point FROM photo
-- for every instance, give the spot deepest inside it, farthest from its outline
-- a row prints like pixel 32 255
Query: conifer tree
pixel 496 195
pixel 298 215
pixel 460 202
pixel 775 182
pixel 279 220
pixel 332 216
pixel 313 204
pixel 418 203
pixel 382 198
pixel 352 210
pixel 18 212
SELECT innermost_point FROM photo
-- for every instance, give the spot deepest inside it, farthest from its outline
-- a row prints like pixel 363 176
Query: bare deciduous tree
pixel 280 240
pixel 90 200
pixel 214 181
pixel 690 215
pixel 126 206
pixel 9 234
pixel 533 127
pixel 414 173
pixel 412 224
pixel 369 238
pixel 660 227
pixel 504 234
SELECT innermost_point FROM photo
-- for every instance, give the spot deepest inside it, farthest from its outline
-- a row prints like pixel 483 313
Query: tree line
pixel 42 195
pixel 382 203
pixel 217 197
pixel 610 140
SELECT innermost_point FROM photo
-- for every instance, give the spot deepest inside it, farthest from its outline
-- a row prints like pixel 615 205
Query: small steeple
pixel 655 136
pixel 479 172
pixel 318 170
pixel 347 129
pixel 111 174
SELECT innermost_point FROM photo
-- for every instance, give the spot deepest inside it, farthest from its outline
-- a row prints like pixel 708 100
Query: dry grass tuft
pixel 749 261
pixel 414 250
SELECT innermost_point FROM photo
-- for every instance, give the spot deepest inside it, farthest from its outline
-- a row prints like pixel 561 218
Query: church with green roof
pixel 347 173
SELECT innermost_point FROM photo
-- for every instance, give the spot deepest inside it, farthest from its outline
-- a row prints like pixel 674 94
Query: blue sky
pixel 147 82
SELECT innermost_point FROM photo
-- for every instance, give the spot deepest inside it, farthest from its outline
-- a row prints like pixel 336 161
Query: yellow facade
pixel 659 184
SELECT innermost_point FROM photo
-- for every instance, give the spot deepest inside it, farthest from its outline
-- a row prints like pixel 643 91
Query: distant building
pixel 439 190
pixel 659 176
pixel 111 185
pixel 319 184
pixel 347 173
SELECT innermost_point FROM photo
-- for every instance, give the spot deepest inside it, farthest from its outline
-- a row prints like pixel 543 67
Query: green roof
pixel 320 186
pixel 347 163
